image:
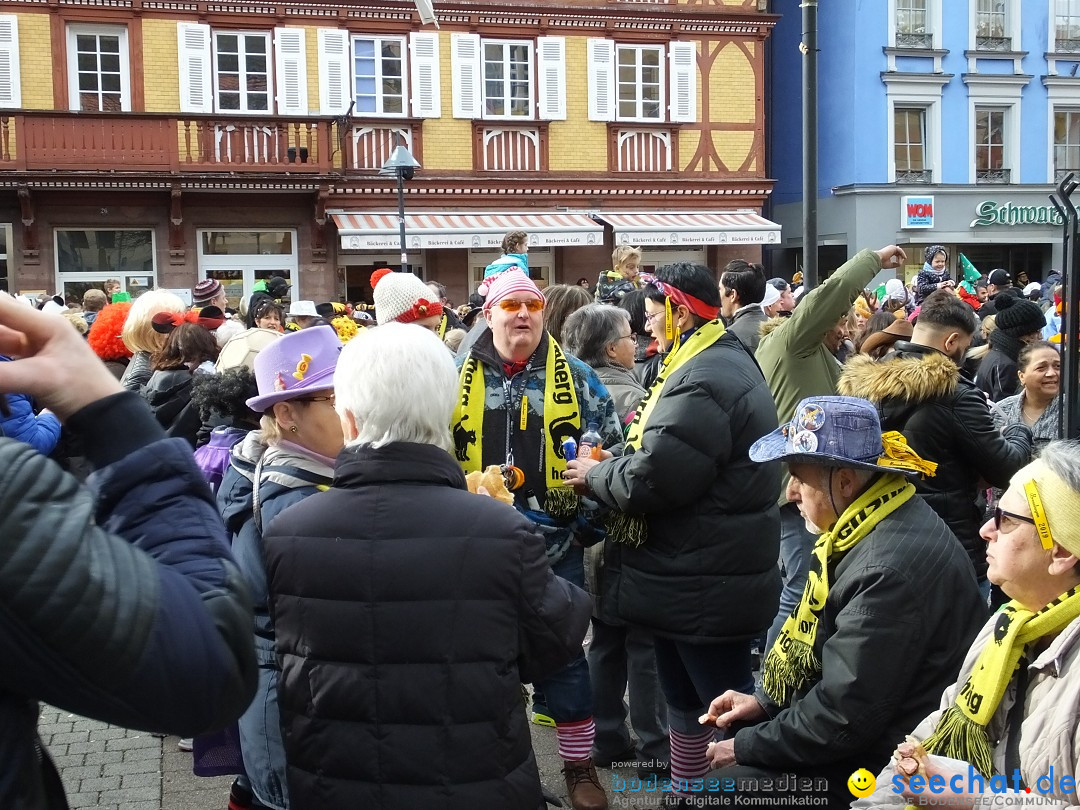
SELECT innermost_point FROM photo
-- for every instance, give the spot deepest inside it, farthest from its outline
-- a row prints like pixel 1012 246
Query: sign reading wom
pixel 917 212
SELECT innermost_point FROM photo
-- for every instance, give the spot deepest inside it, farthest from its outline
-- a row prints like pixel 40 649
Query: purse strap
pixel 256 499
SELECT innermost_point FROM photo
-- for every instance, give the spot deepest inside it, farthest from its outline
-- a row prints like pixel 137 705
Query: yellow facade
pixel 161 86
pixel 577 144
pixel 447 140
pixel 35 61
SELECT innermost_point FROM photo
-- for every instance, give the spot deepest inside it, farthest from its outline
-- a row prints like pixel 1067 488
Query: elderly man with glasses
pixel 521 397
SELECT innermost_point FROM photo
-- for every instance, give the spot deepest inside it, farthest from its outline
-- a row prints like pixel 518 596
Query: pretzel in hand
pixel 493 483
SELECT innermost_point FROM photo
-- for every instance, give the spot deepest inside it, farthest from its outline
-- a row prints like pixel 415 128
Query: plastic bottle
pixel 591 443
pixel 569 448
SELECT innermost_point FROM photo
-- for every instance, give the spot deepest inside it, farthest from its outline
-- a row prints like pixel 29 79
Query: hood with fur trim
pixel 772 325
pixel 910 378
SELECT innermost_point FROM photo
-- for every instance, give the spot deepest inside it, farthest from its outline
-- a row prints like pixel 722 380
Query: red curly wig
pixel 104 337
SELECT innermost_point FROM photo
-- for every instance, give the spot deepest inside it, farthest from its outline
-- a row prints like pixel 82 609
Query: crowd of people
pixel 791 518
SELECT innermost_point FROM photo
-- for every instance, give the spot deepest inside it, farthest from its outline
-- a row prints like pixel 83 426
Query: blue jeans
pixel 568 693
pixel 692 675
pixel 796 545
pixel 260 739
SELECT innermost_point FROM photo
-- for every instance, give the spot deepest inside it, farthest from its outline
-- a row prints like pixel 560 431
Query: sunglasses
pixel 999 513
pixel 513 305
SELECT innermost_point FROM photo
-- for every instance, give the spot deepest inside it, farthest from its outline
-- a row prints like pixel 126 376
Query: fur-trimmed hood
pixel 910 377
pixel 772 325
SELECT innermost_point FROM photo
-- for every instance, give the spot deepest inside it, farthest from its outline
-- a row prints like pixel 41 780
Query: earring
pixel 293 429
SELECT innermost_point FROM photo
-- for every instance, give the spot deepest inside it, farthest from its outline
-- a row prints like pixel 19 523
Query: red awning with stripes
pixel 705 228
pixel 377 231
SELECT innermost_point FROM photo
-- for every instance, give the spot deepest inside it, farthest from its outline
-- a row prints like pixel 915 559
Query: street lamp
pixel 401 165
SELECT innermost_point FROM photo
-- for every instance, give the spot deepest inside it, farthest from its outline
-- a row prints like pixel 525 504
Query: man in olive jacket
pixel 796 357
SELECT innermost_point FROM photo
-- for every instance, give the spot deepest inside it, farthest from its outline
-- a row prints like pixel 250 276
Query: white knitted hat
pixel 402 297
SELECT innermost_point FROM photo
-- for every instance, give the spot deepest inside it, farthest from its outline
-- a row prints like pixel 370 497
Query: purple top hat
pixel 295 364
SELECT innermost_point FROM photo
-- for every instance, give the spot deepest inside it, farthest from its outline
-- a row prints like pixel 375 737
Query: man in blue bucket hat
pixel 889 607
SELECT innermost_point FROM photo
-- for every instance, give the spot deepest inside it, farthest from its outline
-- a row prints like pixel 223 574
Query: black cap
pixel 999 278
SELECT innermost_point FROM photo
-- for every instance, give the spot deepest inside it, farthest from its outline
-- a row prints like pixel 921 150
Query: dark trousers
pixel 692 675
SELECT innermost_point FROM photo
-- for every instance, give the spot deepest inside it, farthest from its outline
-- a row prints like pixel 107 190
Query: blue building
pixel 940 121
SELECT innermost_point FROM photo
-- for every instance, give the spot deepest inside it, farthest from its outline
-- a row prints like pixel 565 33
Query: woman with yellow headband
pixel 1008 730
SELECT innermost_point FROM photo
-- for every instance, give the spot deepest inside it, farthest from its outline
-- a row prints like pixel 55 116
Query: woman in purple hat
pixel 289 458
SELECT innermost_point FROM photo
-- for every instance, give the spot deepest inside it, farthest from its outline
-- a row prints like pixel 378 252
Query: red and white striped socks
pixel 576 739
pixel 688 760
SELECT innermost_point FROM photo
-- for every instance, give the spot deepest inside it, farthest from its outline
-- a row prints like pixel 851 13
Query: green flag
pixel 880 292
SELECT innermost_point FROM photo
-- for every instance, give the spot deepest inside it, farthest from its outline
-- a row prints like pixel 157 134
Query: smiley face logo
pixel 861 783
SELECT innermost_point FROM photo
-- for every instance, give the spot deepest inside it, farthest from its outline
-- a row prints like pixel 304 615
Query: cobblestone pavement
pixel 116 769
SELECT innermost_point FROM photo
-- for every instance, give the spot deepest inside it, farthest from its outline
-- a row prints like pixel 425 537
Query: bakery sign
pixel 991 212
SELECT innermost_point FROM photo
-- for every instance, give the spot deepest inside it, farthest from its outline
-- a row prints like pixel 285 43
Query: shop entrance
pixel 1034 260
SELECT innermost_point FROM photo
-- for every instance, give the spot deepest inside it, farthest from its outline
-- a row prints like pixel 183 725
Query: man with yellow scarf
pixel 520 397
pixel 890 603
pixel 1006 732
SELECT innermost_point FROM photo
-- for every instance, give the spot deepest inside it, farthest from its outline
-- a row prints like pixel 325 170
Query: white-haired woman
pixel 140 337
pixel 407 610
pixel 289 458
pixel 600 336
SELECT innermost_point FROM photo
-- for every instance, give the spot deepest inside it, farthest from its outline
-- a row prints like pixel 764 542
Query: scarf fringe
pixel 782 677
pixel 630 530
pixel 561 503
pixel 960 737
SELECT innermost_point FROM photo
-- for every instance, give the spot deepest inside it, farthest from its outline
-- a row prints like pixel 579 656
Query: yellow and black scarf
pixel 792 662
pixel 560 409
pixel 631 529
pixel 961 730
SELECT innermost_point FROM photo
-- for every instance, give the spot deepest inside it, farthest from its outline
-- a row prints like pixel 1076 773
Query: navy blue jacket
pixel 119 600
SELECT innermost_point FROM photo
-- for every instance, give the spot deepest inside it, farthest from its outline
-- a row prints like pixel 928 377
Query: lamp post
pixel 401 165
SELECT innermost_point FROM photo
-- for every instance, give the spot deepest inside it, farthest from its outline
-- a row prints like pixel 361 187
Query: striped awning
pixel 378 231
pixel 705 228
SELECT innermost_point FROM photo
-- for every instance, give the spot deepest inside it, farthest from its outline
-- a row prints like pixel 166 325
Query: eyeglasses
pixel 513 305
pixel 625 337
pixel 999 513
pixel 324 398
pixel 652 316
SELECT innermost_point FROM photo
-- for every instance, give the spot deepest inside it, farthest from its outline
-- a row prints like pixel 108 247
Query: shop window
pixel 239 259
pixel 85 258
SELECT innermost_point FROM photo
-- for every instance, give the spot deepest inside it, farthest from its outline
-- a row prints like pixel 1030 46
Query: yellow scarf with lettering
pixel 961 731
pixel 792 662
pixel 632 530
pixel 562 418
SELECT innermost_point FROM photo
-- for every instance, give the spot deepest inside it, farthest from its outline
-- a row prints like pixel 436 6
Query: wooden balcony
pixel 175 143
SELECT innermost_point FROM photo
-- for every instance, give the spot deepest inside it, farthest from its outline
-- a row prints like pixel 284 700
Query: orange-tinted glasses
pixel 513 305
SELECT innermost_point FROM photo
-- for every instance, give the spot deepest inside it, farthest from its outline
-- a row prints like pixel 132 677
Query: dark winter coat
pixel 168 393
pixel 707 571
pixel 746 325
pixel 998 376
pixel 944 417
pixel 408 611
pixel 138 371
pixel 118 602
pixel 902 609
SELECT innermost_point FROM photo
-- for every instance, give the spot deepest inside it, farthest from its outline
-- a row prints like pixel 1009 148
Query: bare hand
pixel 733 707
pixel 721 754
pixel 577 471
pixel 51 361
pixel 916 767
pixel 891 257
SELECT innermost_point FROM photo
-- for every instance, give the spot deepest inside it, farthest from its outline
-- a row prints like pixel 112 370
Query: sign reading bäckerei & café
pixel 991 212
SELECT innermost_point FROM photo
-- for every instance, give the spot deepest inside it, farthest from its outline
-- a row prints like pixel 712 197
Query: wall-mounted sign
pixel 917 212
pixel 1009 214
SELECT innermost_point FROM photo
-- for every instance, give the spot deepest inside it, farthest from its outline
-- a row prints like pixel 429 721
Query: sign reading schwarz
pixel 990 212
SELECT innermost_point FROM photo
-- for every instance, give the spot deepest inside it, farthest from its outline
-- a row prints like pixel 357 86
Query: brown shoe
pixel 583 786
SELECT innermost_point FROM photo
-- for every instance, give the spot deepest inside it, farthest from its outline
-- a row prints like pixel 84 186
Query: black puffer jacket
pixel 920 392
pixel 707 571
pixel 408 612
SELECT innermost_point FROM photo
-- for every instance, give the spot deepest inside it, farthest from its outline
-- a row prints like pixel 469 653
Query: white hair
pixel 399 384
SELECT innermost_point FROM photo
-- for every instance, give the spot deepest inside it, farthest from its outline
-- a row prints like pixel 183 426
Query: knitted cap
pixel 402 297
pixel 1017 317
pixel 503 264
pixel 772 295
pixel 506 284
pixel 934 250
pixel 204 291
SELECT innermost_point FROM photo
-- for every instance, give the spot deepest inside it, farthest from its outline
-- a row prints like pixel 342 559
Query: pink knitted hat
pixel 506 284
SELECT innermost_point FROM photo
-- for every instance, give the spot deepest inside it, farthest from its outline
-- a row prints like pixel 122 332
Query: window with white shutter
pixel 683 58
pixel 10 86
pixel 508 86
pixel 639 84
pixel 290 58
pixel 551 56
pixel 242 72
pixel 194 68
pixel 426 89
pixel 334 73
pixel 465 64
pixel 601 67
